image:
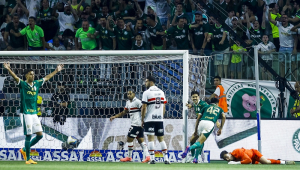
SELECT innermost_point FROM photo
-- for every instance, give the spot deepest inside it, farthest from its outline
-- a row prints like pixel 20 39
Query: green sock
pixel 27 146
pixel 199 151
pixel 192 150
pixel 34 141
pixel 195 145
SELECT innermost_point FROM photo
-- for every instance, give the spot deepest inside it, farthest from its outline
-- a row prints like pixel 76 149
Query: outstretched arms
pixel 58 69
pixel 7 66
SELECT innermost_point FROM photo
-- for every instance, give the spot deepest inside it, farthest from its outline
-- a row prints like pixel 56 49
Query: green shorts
pixel 157 47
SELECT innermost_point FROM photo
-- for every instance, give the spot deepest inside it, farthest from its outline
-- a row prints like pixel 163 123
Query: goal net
pixel 94 84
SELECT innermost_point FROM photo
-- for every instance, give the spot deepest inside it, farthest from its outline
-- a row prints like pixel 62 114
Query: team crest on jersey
pixel 125 11
pixel 125 33
pixel 222 30
pixel 154 30
pixel 105 31
pixel 201 29
pixel 36 34
pixel 183 31
pixel 258 32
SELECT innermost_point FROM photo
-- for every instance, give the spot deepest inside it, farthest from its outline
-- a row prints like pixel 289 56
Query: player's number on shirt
pixel 213 110
pixel 157 102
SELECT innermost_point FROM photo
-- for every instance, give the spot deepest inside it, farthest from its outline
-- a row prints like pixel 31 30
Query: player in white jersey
pixel 133 107
pixel 153 111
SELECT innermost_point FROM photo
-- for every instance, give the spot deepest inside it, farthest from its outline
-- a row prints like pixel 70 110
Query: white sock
pixel 282 162
pixel 130 149
pixel 145 149
pixel 151 150
pixel 164 150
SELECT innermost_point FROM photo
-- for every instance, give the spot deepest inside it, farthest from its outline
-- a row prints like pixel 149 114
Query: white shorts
pixel 31 124
pixel 206 127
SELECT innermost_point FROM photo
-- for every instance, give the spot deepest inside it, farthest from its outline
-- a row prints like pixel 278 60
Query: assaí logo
pixel 95 156
pixel 241 100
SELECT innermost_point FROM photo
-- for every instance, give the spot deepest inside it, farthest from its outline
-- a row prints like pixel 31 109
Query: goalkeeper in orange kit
pixel 249 156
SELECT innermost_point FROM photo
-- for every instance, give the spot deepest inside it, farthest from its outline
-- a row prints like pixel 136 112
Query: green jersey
pixel 156 40
pixel 29 96
pixel 198 107
pixel 87 43
pixel 181 36
pixel 256 35
pixel 106 37
pixel 217 35
pixel 33 36
pixel 15 42
pixel 46 17
pixel 211 112
pixel 198 34
pixel 123 38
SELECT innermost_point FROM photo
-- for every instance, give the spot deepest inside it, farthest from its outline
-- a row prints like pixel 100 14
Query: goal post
pixel 177 73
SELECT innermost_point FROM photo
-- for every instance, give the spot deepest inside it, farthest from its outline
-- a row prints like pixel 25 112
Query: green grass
pixel 20 165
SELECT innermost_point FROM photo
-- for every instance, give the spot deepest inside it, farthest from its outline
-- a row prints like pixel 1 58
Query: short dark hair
pixel 68 32
pixel 195 92
pixel 218 77
pixel 151 78
pixel 214 100
pixel 179 4
pixel 222 154
pixel 32 17
pixel 151 16
pixel 16 15
pixel 139 34
pixel 131 89
pixel 27 71
pixel 179 18
pixel 120 18
pixel 85 20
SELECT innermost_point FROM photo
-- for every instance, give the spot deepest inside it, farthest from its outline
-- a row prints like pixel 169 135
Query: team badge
pixel 105 31
pixel 125 33
pixel 183 31
pixel 154 30
pixel 258 32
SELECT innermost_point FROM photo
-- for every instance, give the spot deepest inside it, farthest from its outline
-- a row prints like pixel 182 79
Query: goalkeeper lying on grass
pixel 248 156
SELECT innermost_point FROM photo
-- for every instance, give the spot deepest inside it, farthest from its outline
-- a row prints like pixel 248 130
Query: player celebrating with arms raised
pixel 133 107
pixel 29 90
pixel 208 116
pixel 153 111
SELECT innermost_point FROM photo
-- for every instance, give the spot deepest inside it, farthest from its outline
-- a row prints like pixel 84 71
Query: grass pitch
pixel 20 165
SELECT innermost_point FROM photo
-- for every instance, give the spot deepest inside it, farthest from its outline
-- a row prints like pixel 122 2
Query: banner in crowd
pixel 241 98
pixel 103 135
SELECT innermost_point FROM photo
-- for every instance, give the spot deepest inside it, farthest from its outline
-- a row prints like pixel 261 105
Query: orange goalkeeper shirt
pixel 246 156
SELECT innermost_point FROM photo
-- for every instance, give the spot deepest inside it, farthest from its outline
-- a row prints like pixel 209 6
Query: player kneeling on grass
pixel 205 124
pixel 133 107
pixel 248 156
pixel 29 90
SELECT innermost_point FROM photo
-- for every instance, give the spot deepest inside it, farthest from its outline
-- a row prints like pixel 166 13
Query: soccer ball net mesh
pixel 96 87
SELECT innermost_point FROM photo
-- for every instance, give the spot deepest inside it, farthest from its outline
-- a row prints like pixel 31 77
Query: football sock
pixel 27 146
pixel 199 151
pixel 164 150
pixel 192 150
pixel 145 149
pixel 195 145
pixel 273 161
pixel 151 150
pixel 130 149
pixel 35 140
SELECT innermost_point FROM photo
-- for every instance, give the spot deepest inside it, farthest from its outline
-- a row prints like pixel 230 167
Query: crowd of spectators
pixel 225 29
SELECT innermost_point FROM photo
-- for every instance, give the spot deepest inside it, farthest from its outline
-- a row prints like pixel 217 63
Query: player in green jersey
pixel 29 92
pixel 198 105
pixel 208 117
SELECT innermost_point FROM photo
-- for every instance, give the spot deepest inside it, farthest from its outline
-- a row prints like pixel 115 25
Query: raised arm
pixel 192 4
pixel 270 18
pixel 23 8
pixel 7 66
pixel 248 20
pixel 13 11
pixel 138 7
pixel 58 69
pixel 73 12
pixel 263 22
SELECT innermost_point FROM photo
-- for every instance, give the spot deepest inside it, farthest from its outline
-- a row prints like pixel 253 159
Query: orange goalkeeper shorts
pixel 256 156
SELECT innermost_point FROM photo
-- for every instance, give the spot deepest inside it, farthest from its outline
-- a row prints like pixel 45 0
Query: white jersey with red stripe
pixel 134 109
pixel 155 100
